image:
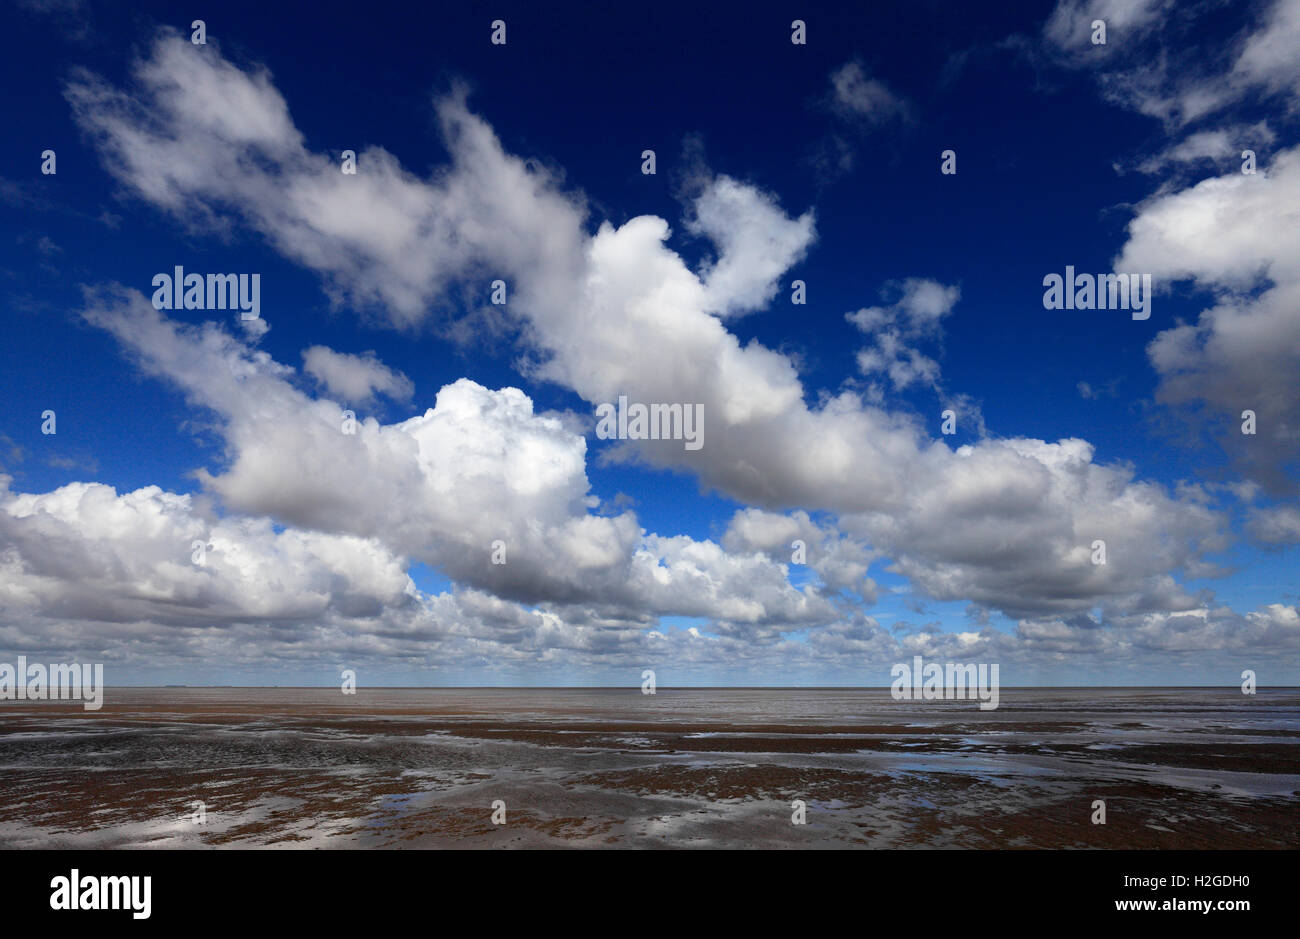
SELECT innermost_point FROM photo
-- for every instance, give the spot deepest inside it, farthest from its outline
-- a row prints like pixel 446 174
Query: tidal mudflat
pixel 596 768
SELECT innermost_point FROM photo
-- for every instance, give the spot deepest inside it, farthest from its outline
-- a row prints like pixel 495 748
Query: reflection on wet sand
pixel 1177 768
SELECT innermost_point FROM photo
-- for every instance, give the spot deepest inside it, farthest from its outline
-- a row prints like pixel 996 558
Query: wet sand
pixel 590 768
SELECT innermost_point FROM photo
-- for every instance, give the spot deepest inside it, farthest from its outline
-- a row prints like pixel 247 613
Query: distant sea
pixel 684 768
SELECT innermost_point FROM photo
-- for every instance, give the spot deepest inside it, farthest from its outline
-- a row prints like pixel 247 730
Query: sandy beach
pixel 588 768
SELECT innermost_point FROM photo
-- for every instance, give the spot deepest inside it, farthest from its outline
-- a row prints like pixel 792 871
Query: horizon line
pixel 674 687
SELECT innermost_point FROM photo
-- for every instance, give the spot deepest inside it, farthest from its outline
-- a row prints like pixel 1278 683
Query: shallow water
pixel 1177 768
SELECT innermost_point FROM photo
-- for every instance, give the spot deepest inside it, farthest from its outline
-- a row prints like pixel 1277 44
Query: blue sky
pixel 820 162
